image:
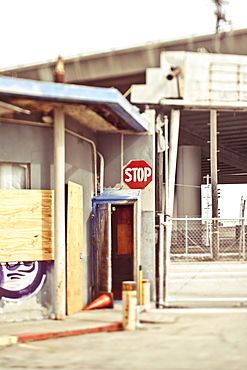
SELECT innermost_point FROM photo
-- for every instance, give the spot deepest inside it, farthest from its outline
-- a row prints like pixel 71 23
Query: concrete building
pixel 63 152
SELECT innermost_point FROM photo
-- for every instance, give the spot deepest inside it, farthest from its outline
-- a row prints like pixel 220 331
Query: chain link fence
pixel 197 238
pixel 206 260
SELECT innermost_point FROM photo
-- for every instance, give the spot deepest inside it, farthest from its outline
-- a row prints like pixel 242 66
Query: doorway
pixel 116 225
pixel 122 237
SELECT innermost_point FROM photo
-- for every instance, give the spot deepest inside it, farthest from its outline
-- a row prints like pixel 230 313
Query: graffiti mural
pixel 21 280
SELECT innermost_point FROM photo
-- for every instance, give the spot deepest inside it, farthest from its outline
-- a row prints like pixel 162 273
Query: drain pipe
pixel 173 150
pixel 121 157
pixel 95 160
pixel 171 161
pixel 49 125
pixel 101 176
pixel 161 259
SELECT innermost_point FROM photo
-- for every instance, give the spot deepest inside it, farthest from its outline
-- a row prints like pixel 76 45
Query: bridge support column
pixel 189 181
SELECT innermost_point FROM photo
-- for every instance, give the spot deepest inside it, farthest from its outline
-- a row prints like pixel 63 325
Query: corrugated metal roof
pixel 113 110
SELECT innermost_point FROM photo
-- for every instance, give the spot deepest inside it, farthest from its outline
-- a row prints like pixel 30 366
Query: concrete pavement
pixel 170 339
pixel 99 320
pixel 83 322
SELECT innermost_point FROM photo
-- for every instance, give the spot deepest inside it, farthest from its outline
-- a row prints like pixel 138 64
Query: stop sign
pixel 137 174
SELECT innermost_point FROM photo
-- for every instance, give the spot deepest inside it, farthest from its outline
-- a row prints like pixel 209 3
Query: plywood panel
pixel 123 218
pixel 124 239
pixel 74 248
pixel 26 225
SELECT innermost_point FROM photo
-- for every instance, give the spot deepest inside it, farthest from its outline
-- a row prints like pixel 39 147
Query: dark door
pixel 122 247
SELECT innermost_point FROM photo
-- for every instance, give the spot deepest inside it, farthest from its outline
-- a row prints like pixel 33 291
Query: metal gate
pixel 205 264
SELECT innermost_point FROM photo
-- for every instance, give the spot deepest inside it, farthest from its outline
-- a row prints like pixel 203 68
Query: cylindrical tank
pixel 188 188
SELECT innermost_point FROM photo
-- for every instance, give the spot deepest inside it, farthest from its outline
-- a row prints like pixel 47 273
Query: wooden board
pixel 74 248
pixel 124 239
pixel 26 225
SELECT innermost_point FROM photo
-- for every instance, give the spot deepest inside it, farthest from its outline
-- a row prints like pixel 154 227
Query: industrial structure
pixel 64 149
pixel 139 163
pixel 126 67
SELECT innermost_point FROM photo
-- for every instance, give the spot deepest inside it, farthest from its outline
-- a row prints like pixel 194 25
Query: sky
pixel 34 31
pixel 229 202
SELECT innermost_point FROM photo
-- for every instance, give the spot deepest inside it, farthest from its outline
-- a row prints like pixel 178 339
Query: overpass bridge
pixel 122 68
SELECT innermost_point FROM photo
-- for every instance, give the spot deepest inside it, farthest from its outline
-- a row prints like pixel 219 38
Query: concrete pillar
pixel 173 151
pixel 59 214
pixel 188 189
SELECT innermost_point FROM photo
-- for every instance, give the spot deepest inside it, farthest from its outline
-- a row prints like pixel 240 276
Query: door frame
pixel 118 197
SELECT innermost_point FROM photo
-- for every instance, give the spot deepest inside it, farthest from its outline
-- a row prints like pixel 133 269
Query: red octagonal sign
pixel 137 174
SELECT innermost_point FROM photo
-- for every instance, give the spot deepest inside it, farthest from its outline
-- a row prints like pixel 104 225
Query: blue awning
pixel 117 195
pixel 96 98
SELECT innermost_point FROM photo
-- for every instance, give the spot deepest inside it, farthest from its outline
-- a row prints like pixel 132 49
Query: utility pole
pixel 159 165
pixel 159 204
pixel 220 17
pixel 214 182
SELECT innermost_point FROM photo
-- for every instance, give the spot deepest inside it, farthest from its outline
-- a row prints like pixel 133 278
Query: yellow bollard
pixel 129 299
pixel 146 292
pixel 140 285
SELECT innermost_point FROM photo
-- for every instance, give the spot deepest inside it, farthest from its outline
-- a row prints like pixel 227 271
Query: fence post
pixel 243 238
pixel 210 239
pixel 161 259
pixel 215 238
pixel 244 244
pixel 243 201
pixel 186 236
pixel 167 255
pixel 207 230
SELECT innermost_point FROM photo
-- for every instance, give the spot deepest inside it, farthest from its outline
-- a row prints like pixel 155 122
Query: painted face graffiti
pixel 21 279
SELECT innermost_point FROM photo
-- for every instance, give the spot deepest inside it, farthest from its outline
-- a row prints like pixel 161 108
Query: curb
pixel 8 340
pixel 28 337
